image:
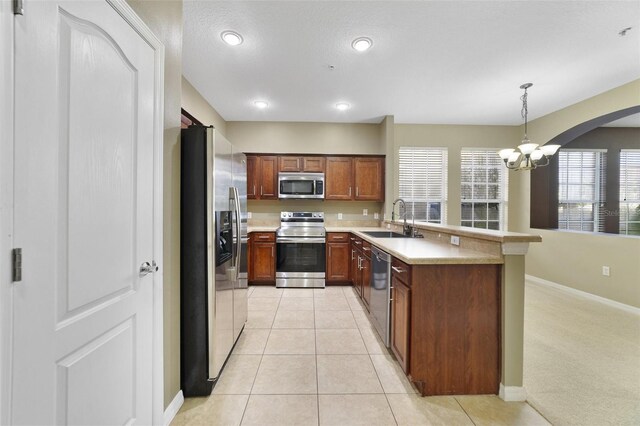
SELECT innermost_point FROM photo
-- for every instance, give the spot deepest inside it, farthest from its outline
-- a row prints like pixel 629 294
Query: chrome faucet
pixel 406 229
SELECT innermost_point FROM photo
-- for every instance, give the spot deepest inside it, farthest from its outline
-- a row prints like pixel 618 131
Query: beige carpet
pixel 581 359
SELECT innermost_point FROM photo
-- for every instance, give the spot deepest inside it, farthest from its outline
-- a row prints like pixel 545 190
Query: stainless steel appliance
pixel 301 185
pixel 380 302
pixel 301 245
pixel 213 285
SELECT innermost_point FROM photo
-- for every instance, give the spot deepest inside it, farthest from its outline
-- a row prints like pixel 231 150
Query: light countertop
pixel 414 251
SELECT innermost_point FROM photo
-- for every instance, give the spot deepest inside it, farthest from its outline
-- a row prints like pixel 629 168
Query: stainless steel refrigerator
pixel 213 268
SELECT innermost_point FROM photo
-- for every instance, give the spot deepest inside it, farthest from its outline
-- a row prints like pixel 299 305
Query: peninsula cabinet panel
pixel 369 179
pixel 400 320
pixel 338 179
pixel 455 329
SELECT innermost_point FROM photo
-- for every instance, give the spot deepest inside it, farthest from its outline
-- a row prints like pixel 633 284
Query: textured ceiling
pixel 447 62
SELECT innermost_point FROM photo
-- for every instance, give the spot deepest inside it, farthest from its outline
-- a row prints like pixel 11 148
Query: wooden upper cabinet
pixel 253 172
pixel 338 179
pixel 294 163
pixel 289 163
pixel 368 178
pixel 313 164
pixel 268 176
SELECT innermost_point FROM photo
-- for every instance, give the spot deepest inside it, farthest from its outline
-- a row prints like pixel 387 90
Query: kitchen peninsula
pixel 456 310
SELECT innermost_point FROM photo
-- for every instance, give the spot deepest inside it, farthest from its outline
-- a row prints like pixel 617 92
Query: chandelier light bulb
pixel 505 153
pixel 536 155
pixel 549 150
pixel 527 148
pixel 513 158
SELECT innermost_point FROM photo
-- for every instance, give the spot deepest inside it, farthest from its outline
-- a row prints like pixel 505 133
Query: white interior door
pixel 84 216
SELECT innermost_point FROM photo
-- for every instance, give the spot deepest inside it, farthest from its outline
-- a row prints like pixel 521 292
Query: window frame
pixel 412 199
pixel 503 189
pixel 597 202
pixel 623 187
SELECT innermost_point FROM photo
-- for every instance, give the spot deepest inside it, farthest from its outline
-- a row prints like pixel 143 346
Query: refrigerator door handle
pixel 238 230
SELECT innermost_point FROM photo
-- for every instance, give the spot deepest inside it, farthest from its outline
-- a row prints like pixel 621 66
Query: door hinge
pixel 18 7
pixel 17 265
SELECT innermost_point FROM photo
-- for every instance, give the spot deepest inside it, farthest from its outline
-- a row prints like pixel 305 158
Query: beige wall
pixel 455 137
pixel 165 20
pixel 307 138
pixel 575 259
pixel 197 106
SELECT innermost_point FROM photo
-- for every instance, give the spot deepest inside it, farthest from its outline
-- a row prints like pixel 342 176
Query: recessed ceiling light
pixel 261 104
pixel 232 38
pixel 362 43
pixel 342 106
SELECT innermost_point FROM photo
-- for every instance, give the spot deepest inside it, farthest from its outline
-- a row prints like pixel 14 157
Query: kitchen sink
pixel 385 234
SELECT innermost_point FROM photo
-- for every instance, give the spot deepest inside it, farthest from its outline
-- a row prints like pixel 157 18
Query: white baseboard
pixel 512 393
pixel 584 294
pixel 173 408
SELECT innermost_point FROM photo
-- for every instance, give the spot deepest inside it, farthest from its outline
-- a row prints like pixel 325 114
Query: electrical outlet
pixel 365 212
pixel 606 271
pixel 339 216
pixel 376 215
pixel 388 226
pixel 248 215
pixel 455 240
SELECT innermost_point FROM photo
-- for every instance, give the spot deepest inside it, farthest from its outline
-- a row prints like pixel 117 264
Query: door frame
pixel 7 114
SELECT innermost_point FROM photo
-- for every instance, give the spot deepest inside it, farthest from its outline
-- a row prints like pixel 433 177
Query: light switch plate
pixel 376 215
pixel 365 212
pixel 455 240
pixel 606 271
pixel 248 215
pixel 339 216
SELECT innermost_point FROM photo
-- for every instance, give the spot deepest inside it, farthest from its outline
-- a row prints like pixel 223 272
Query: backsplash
pixel 267 213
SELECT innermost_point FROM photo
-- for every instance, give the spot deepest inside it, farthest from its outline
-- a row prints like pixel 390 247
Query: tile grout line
pixel 315 342
pixel 259 364
pixel 465 411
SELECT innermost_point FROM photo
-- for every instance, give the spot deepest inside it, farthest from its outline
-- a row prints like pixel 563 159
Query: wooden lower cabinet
pixel 454 329
pixel 400 320
pixel 338 262
pixel 262 257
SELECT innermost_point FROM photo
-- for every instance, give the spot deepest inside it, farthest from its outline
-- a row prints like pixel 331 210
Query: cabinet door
pixel 289 163
pixel 400 315
pixel 366 281
pixel 338 261
pixel 369 178
pixel 313 164
pixel 264 261
pixel 338 179
pixel 268 177
pixel 253 172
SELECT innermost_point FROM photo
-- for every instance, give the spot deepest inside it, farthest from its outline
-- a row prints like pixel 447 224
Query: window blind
pixel 581 189
pixel 423 182
pixel 630 191
pixel 483 189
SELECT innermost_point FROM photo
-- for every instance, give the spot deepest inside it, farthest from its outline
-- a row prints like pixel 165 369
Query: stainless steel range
pixel 300 243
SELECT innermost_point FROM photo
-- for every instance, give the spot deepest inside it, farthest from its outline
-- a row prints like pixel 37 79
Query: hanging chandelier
pixel 528 155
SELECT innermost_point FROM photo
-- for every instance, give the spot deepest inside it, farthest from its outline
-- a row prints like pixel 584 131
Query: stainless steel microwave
pixel 301 185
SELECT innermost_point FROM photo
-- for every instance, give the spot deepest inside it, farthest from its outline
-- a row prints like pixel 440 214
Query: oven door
pixel 300 257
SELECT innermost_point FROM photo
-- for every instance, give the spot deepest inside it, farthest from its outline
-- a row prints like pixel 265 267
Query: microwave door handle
pixel 314 187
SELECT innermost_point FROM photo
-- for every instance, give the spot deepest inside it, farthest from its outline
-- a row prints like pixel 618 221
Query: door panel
pixel 84 185
pixel 339 178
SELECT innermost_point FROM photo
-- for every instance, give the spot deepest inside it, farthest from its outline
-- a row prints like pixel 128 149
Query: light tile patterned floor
pixel 312 357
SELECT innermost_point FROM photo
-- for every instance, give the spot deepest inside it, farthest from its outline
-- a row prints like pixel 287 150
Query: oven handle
pixel 301 240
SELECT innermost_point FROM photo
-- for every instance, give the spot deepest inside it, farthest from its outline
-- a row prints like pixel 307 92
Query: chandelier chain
pixel 524 111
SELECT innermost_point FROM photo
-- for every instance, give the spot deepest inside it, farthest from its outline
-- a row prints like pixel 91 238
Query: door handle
pixel 398 270
pixel 148 268
pixel 349 191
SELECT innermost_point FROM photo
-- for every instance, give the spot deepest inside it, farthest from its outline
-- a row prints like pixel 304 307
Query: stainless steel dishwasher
pixel 380 302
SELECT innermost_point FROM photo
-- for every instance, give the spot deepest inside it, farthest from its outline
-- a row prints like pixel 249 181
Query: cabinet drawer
pixel 366 248
pixel 337 237
pixel 263 237
pixel 401 271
